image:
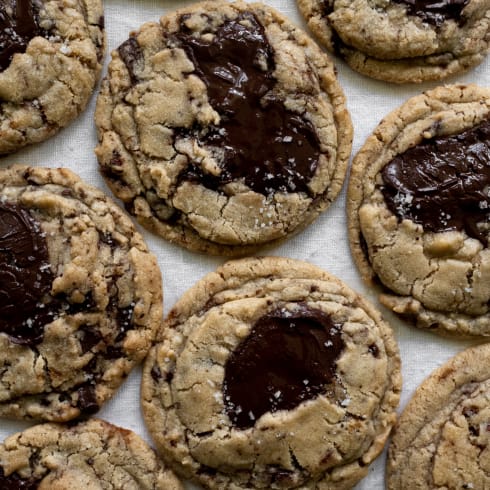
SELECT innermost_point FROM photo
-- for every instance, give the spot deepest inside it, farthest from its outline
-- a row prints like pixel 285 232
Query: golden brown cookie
pixel 51 55
pixel 90 455
pixel 402 40
pixel 419 210
pixel 442 439
pixel 223 127
pixel 271 373
pixel 80 295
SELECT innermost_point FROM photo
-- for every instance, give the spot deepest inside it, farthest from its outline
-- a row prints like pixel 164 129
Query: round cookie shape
pixel 297 379
pixel 80 295
pixel 90 454
pixel 223 127
pixel 50 61
pixel 402 41
pixel 419 210
pixel 442 439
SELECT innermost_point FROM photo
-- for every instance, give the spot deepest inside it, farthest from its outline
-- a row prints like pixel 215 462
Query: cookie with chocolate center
pixel 402 40
pixel 80 295
pixel 223 127
pixel 442 439
pixel 50 59
pixel 91 454
pixel 419 210
pixel 296 379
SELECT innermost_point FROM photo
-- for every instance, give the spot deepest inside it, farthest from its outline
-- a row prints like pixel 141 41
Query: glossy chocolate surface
pixel 443 183
pixel 435 11
pixel 25 275
pixel 18 25
pixel 287 358
pixel 258 139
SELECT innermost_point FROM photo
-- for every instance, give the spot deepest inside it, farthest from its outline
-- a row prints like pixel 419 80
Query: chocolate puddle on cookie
pixel 258 139
pixel 436 12
pixel 18 25
pixel 443 183
pixel 25 276
pixel 288 357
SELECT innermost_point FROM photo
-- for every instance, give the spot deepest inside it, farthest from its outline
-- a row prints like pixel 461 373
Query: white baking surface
pixel 324 243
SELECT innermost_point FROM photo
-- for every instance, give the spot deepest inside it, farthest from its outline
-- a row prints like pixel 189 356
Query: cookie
pixel 297 379
pixel 402 40
pixel 50 59
pixel 419 210
pixel 91 454
pixel 80 295
pixel 223 127
pixel 442 439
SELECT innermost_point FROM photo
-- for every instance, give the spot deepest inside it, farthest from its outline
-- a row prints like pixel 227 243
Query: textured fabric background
pixel 324 243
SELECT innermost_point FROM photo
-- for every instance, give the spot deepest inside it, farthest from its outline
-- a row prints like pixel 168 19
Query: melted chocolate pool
pixel 443 183
pixel 435 11
pixel 25 275
pixel 288 357
pixel 18 25
pixel 263 143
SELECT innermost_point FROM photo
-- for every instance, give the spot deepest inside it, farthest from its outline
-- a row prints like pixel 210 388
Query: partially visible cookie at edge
pixel 401 40
pixel 419 210
pixel 297 379
pixel 80 295
pixel 91 454
pixel 442 439
pixel 223 127
pixel 50 60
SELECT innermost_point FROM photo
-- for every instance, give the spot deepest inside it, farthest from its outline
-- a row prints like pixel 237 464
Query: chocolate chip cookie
pixel 402 40
pixel 223 127
pixel 271 373
pixel 442 439
pixel 80 295
pixel 93 454
pixel 50 59
pixel 419 210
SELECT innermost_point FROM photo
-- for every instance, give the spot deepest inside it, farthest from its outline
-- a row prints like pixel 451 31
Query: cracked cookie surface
pixel 92 454
pixel 223 127
pixel 442 439
pixel 50 60
pixel 419 210
pixel 80 295
pixel 297 379
pixel 402 40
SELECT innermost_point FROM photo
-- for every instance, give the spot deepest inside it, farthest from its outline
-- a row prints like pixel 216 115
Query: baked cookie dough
pixel 296 379
pixel 402 40
pixel 80 295
pixel 93 454
pixel 419 210
pixel 223 127
pixel 50 59
pixel 442 439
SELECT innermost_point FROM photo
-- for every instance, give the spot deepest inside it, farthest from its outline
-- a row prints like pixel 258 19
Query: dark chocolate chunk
pixel 435 12
pixel 87 399
pixel 15 482
pixel 18 25
pixel 124 319
pixel 261 142
pixel 287 358
pixel 131 54
pixel 90 337
pixel 25 276
pixel 443 183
